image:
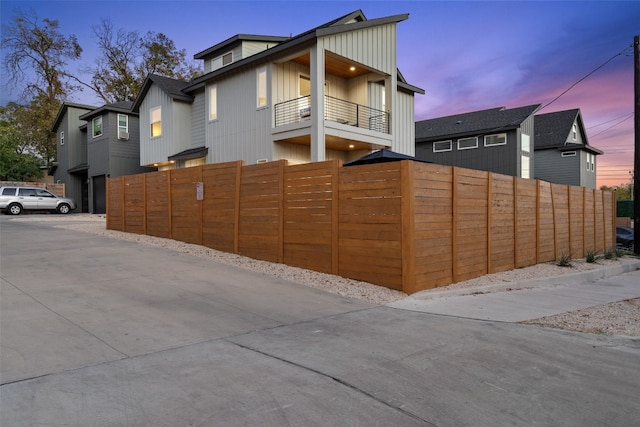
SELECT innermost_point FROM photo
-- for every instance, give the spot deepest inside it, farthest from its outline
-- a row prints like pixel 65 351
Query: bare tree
pixel 38 48
pixel 127 58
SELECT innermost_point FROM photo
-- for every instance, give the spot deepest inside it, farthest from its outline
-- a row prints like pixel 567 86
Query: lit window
pixel 262 87
pixel 156 122
pixel 525 143
pixel 497 139
pixel 213 102
pixel 467 143
pixel 525 167
pixel 96 126
pixel 304 84
pixel 61 138
pixel 441 146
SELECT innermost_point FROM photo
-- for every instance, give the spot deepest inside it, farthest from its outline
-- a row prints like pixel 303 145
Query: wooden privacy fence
pixel 405 225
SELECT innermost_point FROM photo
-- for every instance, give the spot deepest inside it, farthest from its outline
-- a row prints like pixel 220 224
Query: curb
pixel 552 281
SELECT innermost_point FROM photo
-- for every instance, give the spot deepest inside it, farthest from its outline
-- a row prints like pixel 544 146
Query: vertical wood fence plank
pixel 454 231
pixel 407 180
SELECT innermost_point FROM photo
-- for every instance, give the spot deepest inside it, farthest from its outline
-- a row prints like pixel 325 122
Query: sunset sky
pixel 467 55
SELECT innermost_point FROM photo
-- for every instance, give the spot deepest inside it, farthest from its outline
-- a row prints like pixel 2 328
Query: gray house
pixel 333 92
pixel 562 150
pixel 71 166
pixel 95 143
pixel 497 140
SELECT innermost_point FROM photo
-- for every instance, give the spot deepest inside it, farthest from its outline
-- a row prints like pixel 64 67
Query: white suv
pixel 14 199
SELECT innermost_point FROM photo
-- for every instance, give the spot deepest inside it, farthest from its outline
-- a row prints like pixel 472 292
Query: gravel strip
pixel 619 318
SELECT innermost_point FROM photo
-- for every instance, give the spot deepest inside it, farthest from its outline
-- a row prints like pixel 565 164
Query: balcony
pixel 335 110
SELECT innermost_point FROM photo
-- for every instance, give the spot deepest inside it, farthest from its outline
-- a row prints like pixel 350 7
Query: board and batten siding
pixel 176 127
pixel 374 47
pixel 405 135
pixel 198 120
pixel 242 131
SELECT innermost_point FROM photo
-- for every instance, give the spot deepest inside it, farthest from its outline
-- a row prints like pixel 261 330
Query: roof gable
pixel 172 87
pixel 552 130
pixel 123 107
pixel 63 110
pixel 491 120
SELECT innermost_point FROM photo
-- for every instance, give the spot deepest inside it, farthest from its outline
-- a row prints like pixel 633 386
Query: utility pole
pixel 636 156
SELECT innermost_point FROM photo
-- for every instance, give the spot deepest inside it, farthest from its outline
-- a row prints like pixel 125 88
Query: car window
pixel 26 192
pixel 8 191
pixel 44 193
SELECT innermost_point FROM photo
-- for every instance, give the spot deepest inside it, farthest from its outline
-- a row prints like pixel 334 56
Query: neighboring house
pixel 562 150
pixel 96 143
pixel 497 140
pixel 333 92
pixel 71 166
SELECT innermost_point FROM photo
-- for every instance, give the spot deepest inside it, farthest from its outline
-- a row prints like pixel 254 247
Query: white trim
pixel 568 154
pixel 93 127
pixel 442 142
pixel 474 138
pixel 495 144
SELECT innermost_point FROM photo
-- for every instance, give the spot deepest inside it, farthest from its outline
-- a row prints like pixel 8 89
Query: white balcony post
pixel 317 104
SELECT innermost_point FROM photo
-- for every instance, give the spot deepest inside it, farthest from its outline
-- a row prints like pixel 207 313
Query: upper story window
pixel 525 143
pixel 62 138
pixel 574 132
pixel 96 126
pixel 304 85
pixel 213 102
pixel 227 58
pixel 497 139
pixel 156 121
pixel 262 87
pixel 123 126
pixel 568 154
pixel 441 146
pixel 467 143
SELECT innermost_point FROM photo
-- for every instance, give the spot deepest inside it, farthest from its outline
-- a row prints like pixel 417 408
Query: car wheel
pixel 64 208
pixel 14 209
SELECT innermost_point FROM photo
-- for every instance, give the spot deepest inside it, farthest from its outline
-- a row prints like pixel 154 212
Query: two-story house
pixel 95 143
pixel 562 150
pixel 333 92
pixel 497 140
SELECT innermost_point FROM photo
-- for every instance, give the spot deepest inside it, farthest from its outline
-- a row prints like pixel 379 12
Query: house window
pixel 525 143
pixel 213 102
pixel 123 126
pixel 195 162
pixel 467 143
pixel 156 122
pixel 497 139
pixel 441 146
pixel 304 85
pixel 569 154
pixel 227 58
pixel 588 161
pixel 593 163
pixel 61 138
pixel 96 126
pixel 574 132
pixel 525 167
pixel 262 86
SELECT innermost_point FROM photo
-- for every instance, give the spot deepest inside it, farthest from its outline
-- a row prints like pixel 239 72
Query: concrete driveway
pixel 103 332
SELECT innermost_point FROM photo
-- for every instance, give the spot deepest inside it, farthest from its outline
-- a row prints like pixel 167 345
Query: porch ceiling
pixel 336 65
pixel 334 143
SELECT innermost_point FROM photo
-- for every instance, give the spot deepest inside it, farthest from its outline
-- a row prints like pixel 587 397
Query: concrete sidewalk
pixel 104 332
pixel 517 302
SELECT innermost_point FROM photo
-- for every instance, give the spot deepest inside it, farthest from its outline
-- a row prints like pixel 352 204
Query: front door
pixel 99 194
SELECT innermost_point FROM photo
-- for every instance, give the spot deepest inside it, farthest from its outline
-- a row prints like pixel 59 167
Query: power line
pixel 611 127
pixel 622 52
pixel 609 121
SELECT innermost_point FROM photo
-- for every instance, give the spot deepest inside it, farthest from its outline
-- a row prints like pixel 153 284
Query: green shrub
pixel 610 253
pixel 591 257
pixel 564 261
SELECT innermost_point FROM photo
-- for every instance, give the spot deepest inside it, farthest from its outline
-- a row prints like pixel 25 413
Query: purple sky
pixel 467 55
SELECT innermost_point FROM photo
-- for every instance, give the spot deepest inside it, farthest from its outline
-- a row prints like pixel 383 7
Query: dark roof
pixel 382 156
pixel 491 120
pixel 237 38
pixel 172 87
pixel 552 130
pixel 118 107
pixel 192 153
pixel 63 109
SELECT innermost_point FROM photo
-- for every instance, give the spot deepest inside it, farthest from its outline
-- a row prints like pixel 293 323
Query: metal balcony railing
pixel 335 110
